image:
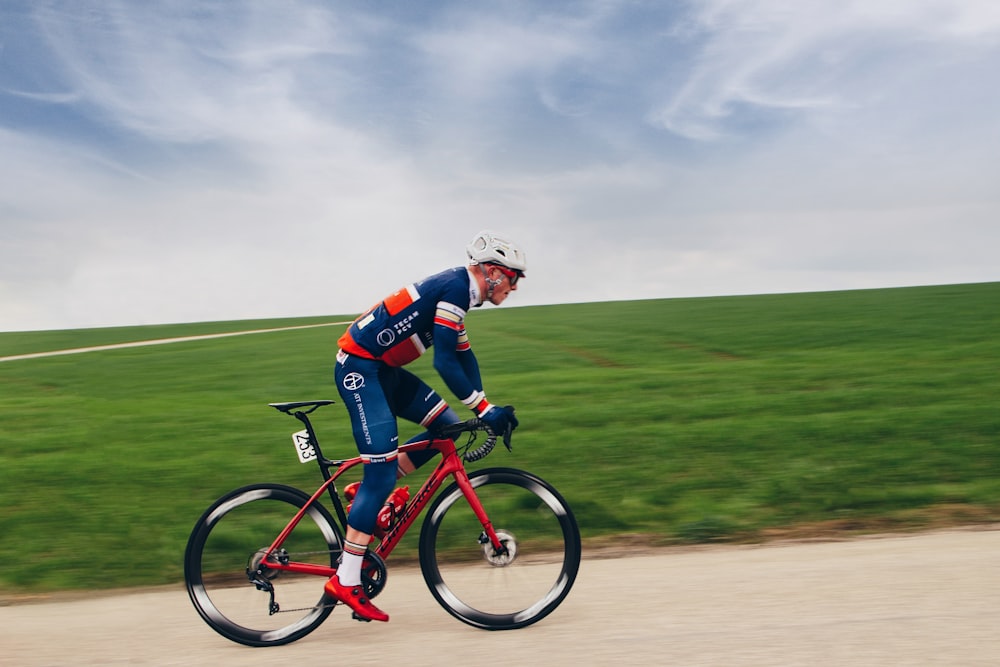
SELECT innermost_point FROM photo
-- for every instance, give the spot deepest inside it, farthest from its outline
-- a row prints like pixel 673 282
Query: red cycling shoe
pixel 355 598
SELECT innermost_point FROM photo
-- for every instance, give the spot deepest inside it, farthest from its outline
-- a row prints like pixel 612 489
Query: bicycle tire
pixel 227 538
pixel 501 592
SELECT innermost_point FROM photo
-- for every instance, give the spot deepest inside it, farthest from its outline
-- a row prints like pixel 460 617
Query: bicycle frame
pixel 451 465
pixel 463 557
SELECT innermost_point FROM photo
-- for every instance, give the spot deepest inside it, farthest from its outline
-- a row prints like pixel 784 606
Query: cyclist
pixel 376 388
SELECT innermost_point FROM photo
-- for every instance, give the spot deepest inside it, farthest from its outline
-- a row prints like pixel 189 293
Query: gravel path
pixel 925 599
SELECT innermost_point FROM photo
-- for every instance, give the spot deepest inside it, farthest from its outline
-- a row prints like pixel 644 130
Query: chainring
pixel 373 574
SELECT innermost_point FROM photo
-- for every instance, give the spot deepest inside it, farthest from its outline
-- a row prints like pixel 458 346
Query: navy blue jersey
pixel 401 327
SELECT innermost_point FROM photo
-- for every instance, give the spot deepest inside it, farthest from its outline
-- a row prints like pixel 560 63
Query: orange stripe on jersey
pixel 447 317
pixel 398 301
pixel 347 344
pixel 445 322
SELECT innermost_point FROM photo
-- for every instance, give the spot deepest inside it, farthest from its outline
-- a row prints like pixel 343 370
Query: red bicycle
pixel 499 548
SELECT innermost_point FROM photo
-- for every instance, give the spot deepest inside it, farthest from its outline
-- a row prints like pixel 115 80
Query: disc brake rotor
pixel 257 560
pixel 504 557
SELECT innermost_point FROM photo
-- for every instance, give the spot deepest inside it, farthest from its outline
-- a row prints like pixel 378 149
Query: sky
pixel 197 160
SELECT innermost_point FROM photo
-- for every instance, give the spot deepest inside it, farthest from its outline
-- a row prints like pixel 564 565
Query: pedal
pixel 355 616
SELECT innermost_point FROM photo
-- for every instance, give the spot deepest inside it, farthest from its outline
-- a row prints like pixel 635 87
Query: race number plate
pixel 303 447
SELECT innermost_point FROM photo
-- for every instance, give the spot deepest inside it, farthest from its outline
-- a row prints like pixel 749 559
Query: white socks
pixel 349 570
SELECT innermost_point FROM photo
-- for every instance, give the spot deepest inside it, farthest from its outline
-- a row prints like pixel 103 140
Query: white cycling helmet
pixel 488 248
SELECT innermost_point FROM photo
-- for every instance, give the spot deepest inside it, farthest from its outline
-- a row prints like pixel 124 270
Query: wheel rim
pixel 501 591
pixel 226 546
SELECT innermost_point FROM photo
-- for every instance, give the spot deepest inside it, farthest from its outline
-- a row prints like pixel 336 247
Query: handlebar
pixel 472 427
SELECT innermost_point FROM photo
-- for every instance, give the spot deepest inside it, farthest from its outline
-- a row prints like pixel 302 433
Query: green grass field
pixel 679 420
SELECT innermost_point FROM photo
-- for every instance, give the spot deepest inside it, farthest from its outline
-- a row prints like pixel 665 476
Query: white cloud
pixel 766 55
pixel 177 162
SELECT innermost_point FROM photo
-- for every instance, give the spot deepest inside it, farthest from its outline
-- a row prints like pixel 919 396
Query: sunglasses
pixel 511 274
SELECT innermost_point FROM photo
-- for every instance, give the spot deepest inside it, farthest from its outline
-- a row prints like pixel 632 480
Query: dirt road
pixel 928 599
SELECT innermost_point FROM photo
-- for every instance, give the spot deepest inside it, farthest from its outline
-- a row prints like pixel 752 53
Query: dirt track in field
pixel 925 599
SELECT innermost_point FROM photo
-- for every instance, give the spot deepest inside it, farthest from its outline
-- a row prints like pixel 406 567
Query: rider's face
pixel 506 286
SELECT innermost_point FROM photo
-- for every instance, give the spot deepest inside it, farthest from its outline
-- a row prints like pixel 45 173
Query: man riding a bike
pixel 376 389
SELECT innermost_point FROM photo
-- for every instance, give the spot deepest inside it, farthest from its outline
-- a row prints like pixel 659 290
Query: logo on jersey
pixel 386 338
pixel 406 323
pixel 354 381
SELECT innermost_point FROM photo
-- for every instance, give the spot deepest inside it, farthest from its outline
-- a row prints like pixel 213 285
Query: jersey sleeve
pixel 468 360
pixel 453 357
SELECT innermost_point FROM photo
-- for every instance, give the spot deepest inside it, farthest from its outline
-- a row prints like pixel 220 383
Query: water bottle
pixel 393 508
pixel 350 491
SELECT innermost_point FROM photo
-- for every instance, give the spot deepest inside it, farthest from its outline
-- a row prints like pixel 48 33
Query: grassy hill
pixel 679 420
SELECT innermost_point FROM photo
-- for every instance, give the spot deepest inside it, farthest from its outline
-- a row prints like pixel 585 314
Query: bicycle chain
pixel 318 606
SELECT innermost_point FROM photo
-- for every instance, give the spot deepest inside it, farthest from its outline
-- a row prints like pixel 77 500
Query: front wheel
pixel 518 585
pixel 228 579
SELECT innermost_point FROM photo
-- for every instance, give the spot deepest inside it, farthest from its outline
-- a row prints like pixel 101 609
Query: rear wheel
pixel 518 585
pixel 227 576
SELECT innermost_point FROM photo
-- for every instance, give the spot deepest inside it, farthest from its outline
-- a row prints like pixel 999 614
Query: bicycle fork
pixel 489 534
